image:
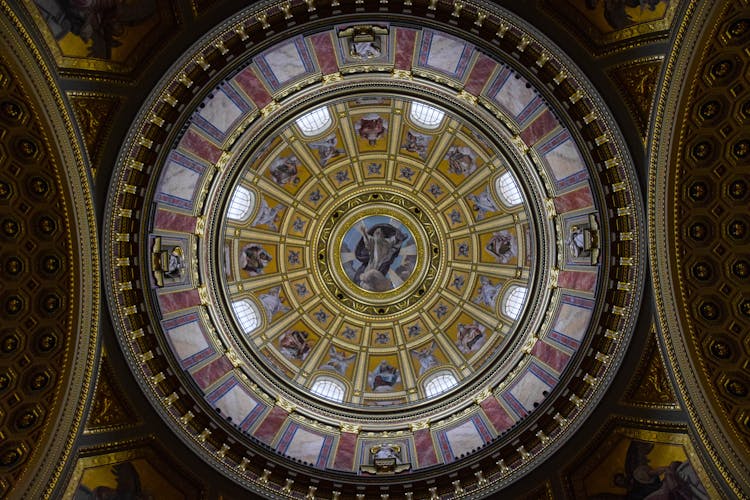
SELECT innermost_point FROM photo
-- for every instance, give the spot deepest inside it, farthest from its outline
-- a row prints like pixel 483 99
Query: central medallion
pixel 378 253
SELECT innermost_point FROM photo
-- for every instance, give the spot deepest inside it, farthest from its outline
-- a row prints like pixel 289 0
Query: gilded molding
pixel 586 387
pixel 650 386
pixel 109 410
pixel 94 113
pixel 637 80
pixel 700 22
pixel 42 474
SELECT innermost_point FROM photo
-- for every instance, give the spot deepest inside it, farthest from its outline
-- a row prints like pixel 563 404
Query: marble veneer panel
pixel 176 301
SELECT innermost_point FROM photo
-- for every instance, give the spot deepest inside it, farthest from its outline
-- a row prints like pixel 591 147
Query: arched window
pixel 246 314
pixel 426 116
pixel 439 383
pixel 507 189
pixel 314 122
pixel 514 300
pixel 240 204
pixel 329 388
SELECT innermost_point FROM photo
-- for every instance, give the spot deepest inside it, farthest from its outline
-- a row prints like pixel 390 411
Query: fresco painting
pixel 643 464
pixel 104 35
pixel 138 474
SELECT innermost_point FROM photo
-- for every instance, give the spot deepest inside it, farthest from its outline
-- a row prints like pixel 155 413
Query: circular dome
pixel 360 254
pixel 375 250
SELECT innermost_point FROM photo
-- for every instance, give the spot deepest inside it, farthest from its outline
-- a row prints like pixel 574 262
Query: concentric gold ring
pixel 415 263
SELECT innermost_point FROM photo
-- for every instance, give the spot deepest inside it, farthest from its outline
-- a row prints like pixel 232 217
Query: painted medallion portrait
pixel 378 253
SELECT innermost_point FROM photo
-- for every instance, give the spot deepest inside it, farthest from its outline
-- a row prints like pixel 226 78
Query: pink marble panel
pixel 170 302
pixel 574 200
pixel 345 451
pixel 480 73
pixel 324 53
pixel 273 422
pixel 405 40
pixel 540 127
pixel 201 147
pixel 212 372
pixel 173 221
pixel 551 356
pixel 249 82
pixel 426 454
pixel 577 280
pixel 496 414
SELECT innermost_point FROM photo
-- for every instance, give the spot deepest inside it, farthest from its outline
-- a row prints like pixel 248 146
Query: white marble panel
pixel 529 389
pixel 445 53
pixel 285 62
pixel 179 181
pixel 220 111
pixel 464 438
pixel 305 445
pixel 565 160
pixel 572 321
pixel 187 339
pixel 236 403
pixel 514 95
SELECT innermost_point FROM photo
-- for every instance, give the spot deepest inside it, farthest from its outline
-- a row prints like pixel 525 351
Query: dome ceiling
pixel 384 248
pixel 373 248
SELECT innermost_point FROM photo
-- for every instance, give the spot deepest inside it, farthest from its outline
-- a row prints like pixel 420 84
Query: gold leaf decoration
pixel 109 409
pixel 637 83
pixel 94 115
pixel 650 386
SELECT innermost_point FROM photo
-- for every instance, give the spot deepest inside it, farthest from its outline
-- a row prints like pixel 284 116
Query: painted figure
pixel 273 302
pixel 293 344
pixel 577 242
pixel 128 486
pixel 461 160
pixel 99 22
pixel 417 143
pixel 253 258
pixel 385 451
pixel 487 292
pixel 268 215
pixel 371 127
pixel 376 252
pixel 482 203
pixel 326 149
pixel 284 170
pixel 615 10
pixel 384 377
pixel 503 246
pixel 382 337
pixel 338 361
pixel 426 358
pixel 678 480
pixel 365 50
pixel 470 337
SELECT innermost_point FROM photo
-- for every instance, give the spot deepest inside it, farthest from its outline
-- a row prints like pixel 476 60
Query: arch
pixel 240 204
pixel 425 116
pixel 439 383
pixel 513 301
pixel 315 121
pixel 247 315
pixel 507 189
pixel 329 388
